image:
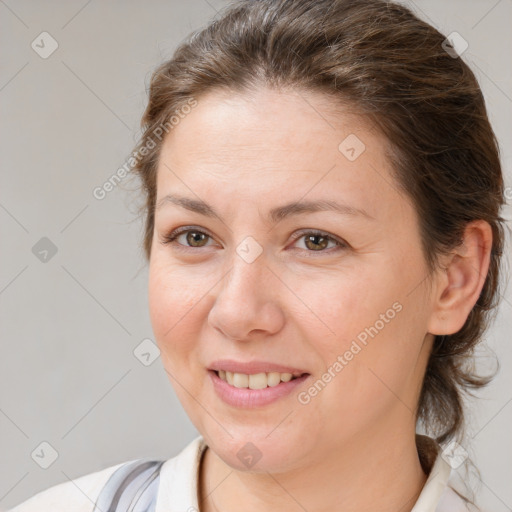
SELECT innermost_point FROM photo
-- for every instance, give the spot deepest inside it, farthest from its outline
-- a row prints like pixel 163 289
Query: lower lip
pixel 250 398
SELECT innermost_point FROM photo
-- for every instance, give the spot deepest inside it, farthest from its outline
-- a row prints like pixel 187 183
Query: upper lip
pixel 252 367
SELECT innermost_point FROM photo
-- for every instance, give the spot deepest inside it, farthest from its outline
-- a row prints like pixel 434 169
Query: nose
pixel 248 301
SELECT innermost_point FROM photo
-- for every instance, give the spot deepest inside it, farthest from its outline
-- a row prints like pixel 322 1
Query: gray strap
pixel 133 487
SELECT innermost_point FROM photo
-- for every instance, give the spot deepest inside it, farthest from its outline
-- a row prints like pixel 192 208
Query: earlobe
pixel 459 283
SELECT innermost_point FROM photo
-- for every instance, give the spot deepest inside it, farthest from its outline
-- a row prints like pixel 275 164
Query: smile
pixel 256 380
pixel 266 387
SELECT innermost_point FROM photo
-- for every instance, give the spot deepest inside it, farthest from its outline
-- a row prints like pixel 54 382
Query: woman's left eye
pixel 314 241
pixel 317 241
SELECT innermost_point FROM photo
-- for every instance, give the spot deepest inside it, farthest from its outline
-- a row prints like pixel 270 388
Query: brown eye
pixel 192 238
pixel 316 242
pixel 195 238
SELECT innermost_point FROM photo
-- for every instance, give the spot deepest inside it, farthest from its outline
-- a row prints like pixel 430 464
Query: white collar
pixel 434 487
pixel 177 490
pixel 178 486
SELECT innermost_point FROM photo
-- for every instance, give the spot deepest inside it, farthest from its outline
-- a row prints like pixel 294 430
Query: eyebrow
pixel 275 215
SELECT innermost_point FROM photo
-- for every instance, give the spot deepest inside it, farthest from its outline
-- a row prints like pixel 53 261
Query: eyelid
pixel 306 231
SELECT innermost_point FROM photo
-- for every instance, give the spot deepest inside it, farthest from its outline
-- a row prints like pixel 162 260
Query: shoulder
pixel 78 495
pixel 139 478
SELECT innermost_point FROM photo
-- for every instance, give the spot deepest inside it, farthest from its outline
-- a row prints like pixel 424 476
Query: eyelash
pixel 170 239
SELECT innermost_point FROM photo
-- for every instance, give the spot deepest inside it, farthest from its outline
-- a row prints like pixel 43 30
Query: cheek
pixel 340 305
pixel 367 319
pixel 174 299
pixel 174 307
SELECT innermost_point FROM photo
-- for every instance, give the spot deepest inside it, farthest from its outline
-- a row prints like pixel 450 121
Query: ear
pixel 459 283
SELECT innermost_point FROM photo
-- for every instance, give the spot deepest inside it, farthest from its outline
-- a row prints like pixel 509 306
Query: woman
pixel 323 231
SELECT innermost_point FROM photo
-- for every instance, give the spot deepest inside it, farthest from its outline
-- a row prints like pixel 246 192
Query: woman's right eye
pixel 193 237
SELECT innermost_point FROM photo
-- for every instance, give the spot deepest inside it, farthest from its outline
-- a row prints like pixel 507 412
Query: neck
pixel 370 470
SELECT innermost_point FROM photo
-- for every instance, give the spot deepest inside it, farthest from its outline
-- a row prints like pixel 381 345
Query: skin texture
pixel 353 444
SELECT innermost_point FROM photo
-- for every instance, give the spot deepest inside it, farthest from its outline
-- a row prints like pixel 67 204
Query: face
pixel 339 294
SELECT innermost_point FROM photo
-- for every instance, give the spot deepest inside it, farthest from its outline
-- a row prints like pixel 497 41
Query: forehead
pixel 275 121
pixel 271 145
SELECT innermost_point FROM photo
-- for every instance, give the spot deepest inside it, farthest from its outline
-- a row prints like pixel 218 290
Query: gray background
pixel 69 325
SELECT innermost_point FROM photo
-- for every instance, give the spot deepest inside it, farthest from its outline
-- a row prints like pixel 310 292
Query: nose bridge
pixel 246 300
pixel 243 284
pixel 248 270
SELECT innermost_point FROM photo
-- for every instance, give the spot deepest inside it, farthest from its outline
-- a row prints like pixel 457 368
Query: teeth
pixel 254 381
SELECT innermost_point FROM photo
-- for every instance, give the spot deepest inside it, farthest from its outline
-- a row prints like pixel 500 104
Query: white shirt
pixel 177 490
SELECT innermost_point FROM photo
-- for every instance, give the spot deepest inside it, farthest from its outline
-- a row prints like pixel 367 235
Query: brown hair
pixel 380 57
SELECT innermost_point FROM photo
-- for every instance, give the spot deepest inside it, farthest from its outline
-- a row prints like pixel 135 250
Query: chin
pixel 254 450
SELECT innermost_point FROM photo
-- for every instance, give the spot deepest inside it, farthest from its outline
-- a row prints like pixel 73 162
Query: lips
pixel 254 398
pixel 253 367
